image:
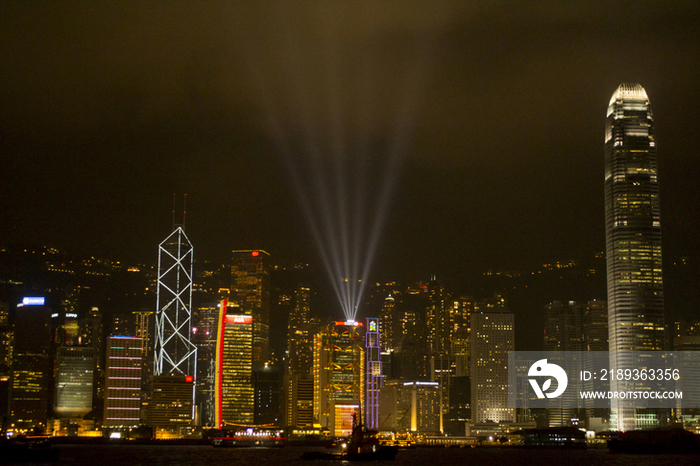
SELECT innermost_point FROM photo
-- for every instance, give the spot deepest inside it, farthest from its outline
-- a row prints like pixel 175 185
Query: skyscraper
pixel 632 233
pixel 174 352
pixel 339 376
pixel 298 381
pixel 492 337
pixel 250 288
pixel 31 366
pixel 123 390
pixel 74 376
pixel 234 394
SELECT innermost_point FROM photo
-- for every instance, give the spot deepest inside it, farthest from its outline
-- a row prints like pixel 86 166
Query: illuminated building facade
pixel 563 331
pixel 373 378
pixel 92 335
pixel 144 330
pixel 234 394
pixel 388 323
pixel 437 318
pixel 31 366
pixel 339 375
pixel 492 337
pixel 174 352
pixel 298 378
pixel 74 376
pixel 410 406
pixel 205 331
pixel 170 402
pixel 595 326
pixel 250 288
pixel 633 236
pixel 123 381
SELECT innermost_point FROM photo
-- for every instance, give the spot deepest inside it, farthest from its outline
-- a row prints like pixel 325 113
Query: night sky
pixel 455 136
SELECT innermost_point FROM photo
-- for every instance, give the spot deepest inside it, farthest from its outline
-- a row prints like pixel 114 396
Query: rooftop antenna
pixel 184 211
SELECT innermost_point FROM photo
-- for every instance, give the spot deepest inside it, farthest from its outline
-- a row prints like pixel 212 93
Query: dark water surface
pixel 149 455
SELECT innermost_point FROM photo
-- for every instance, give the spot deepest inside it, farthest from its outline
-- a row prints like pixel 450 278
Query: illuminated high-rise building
pixel 339 376
pixel 595 326
pixel 373 378
pixel 30 379
pixel 174 352
pixel 492 337
pixel 204 328
pixel 633 236
pixel 144 330
pixel 563 331
pixel 388 323
pixel 6 338
pixel 170 402
pixel 437 318
pixel 410 406
pixel 74 377
pixel 234 394
pixel 250 288
pixel 123 381
pixel 92 335
pixel 298 378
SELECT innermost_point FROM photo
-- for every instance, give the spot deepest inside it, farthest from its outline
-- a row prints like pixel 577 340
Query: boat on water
pixel 362 445
pixel 251 437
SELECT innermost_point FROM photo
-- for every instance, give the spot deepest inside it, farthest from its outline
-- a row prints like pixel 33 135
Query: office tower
pixel 6 339
pixel 234 395
pixel 633 237
pixel 266 386
pixel 595 338
pixel 74 377
pixel 410 406
pixel 170 402
pixel 460 402
pixel 143 319
pixel 595 326
pixel 30 379
pixel 204 329
pixel 123 381
pixel 492 337
pixel 92 335
pixel 437 317
pixel 387 324
pixel 410 359
pixel 460 315
pixel 299 341
pixel 174 352
pixel 563 332
pixel 373 378
pixel 250 288
pixel 67 322
pixel 460 348
pixel 298 381
pixel 339 375
pixel 563 329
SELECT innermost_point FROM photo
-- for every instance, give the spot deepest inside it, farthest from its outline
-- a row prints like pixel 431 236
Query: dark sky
pixel 483 120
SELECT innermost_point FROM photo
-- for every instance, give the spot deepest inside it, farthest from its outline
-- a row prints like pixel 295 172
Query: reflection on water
pixel 139 455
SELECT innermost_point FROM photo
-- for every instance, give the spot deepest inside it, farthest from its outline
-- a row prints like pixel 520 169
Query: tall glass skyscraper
pixel 633 236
